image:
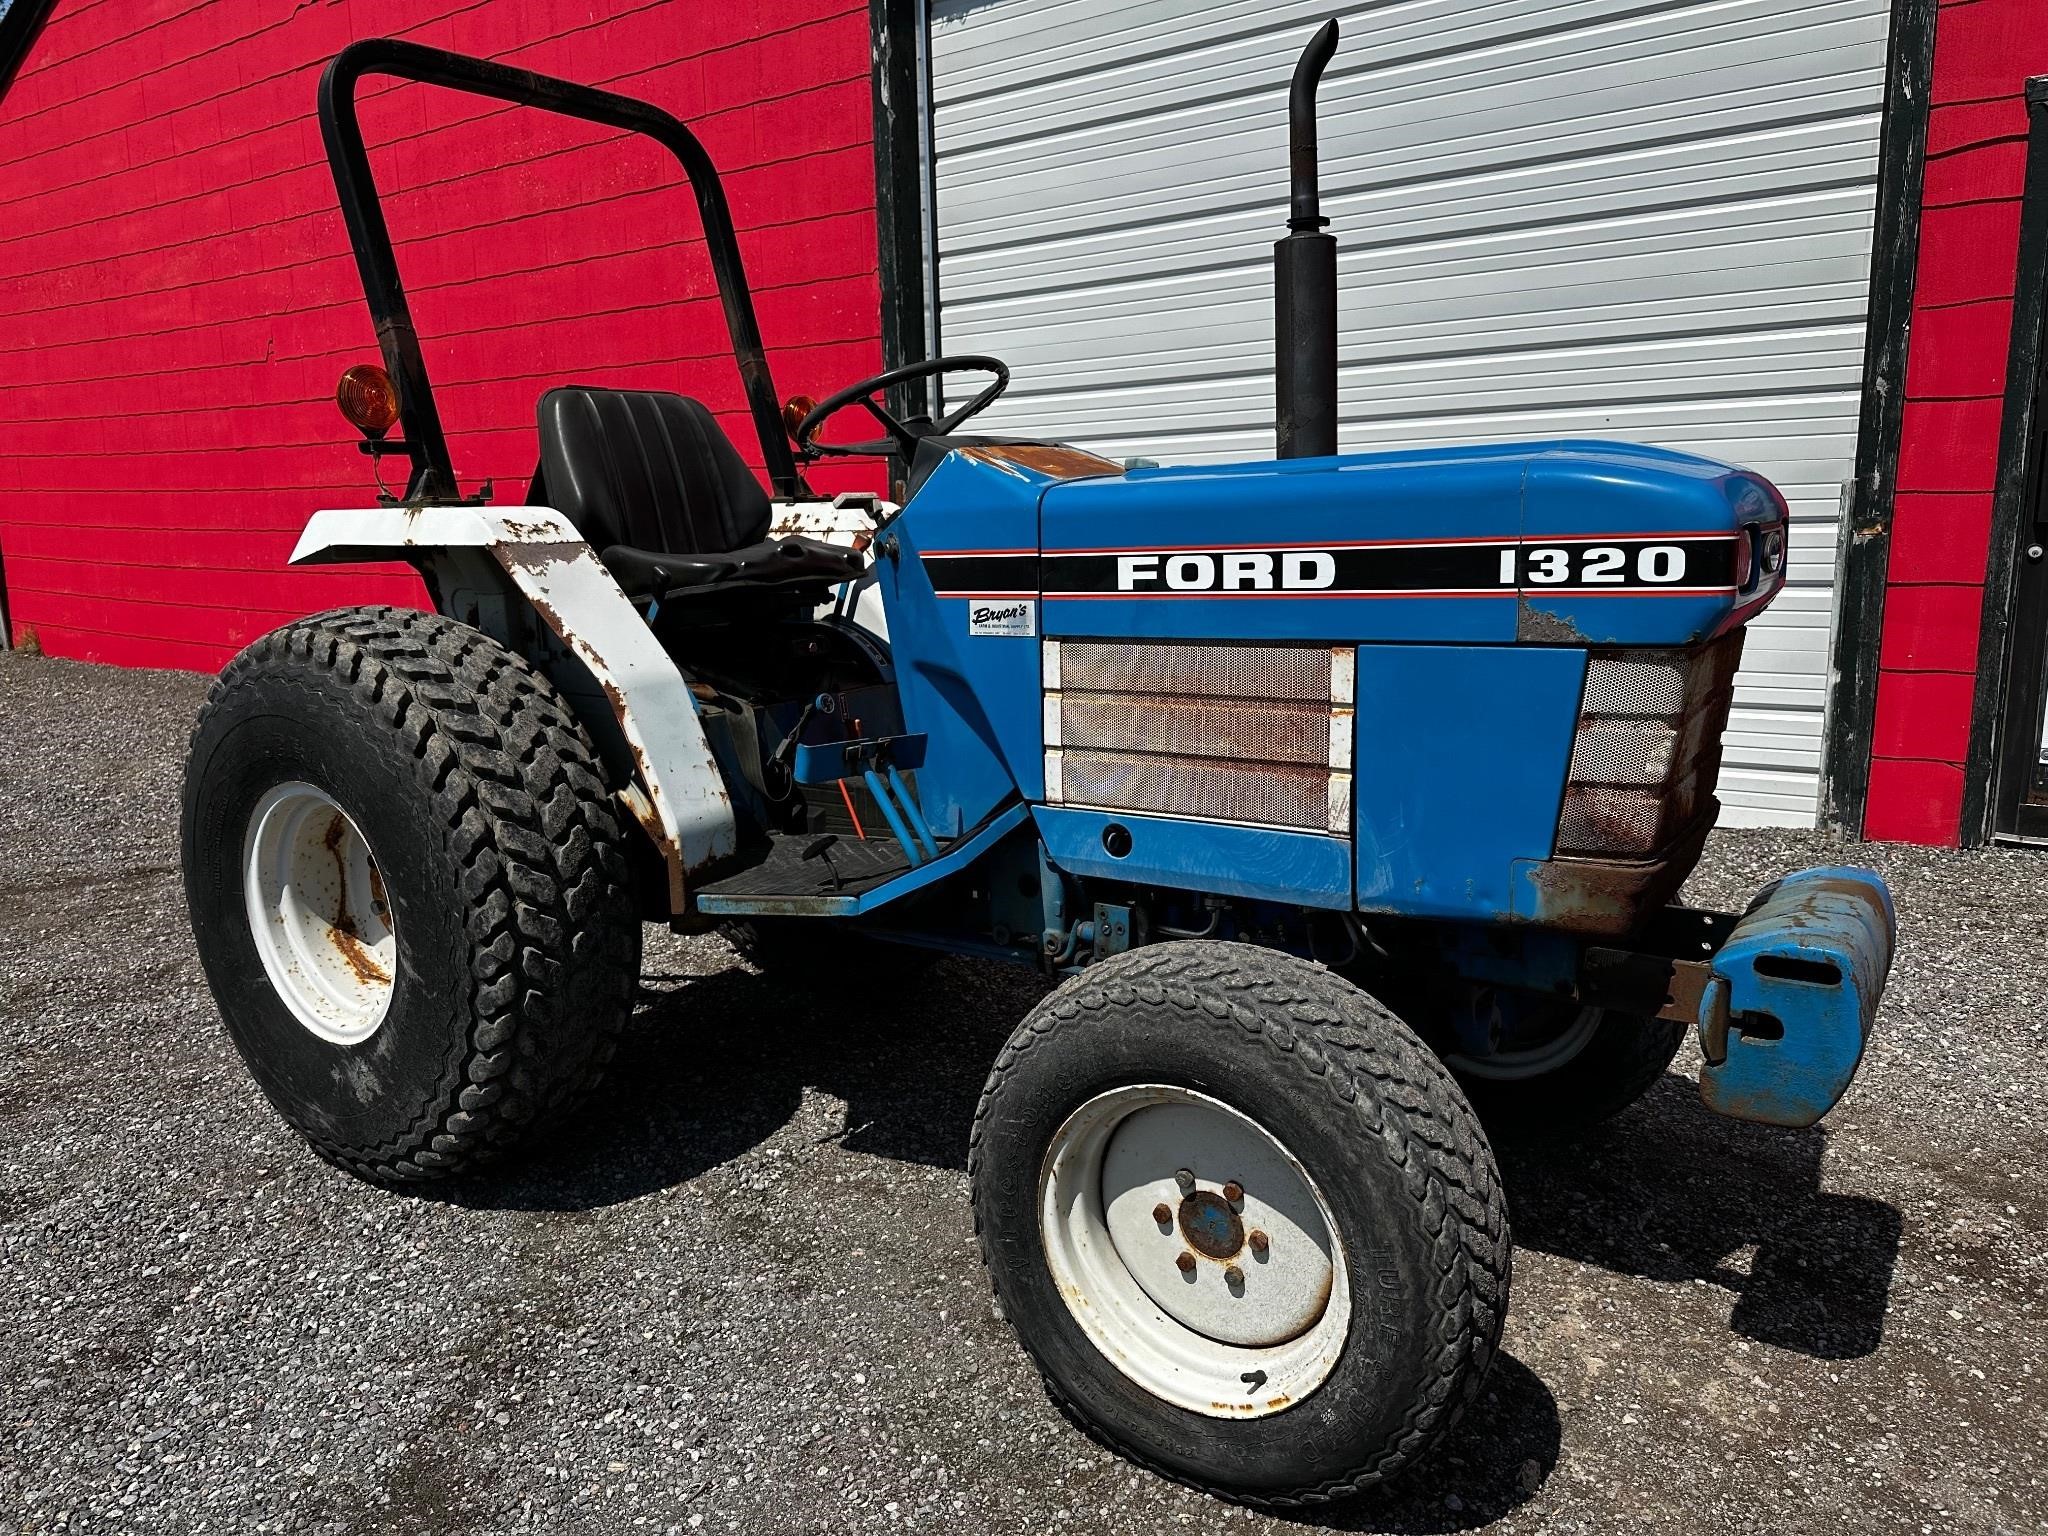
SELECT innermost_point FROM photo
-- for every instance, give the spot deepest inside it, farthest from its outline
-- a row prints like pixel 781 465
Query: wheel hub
pixel 1210 1226
pixel 1195 1251
pixel 319 914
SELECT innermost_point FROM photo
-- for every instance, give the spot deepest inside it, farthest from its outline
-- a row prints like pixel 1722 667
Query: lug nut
pixel 1233 1277
pixel 1186 1261
pixel 1258 1240
pixel 1185 1178
pixel 1234 1192
pixel 1162 1213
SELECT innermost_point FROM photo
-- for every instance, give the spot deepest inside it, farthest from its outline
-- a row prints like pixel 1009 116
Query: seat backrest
pixel 649 470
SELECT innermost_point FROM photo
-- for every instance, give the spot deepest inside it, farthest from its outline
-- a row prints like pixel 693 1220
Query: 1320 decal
pixel 1593 565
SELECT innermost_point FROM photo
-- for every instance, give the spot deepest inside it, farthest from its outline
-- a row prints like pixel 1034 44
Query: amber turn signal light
pixel 368 399
pixel 794 410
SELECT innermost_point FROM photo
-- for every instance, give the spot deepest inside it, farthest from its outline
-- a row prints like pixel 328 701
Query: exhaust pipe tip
pixel 1305 206
pixel 1305 278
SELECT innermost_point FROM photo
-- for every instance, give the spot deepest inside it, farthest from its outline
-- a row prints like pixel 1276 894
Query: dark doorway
pixel 2020 808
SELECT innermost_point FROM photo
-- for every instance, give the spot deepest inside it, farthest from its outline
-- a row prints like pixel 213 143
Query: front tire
pixel 408 887
pixel 1600 1063
pixel 1325 1291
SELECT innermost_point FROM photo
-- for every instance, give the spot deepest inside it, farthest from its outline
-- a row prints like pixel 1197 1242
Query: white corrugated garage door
pixel 1611 218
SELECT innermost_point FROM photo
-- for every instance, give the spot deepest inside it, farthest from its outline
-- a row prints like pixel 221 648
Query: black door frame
pixel 1863 561
pixel 19 27
pixel 2012 661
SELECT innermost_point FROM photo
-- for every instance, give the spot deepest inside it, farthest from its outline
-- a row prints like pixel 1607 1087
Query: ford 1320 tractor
pixel 1345 797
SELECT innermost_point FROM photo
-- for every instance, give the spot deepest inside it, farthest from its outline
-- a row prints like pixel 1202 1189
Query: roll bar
pixel 433 476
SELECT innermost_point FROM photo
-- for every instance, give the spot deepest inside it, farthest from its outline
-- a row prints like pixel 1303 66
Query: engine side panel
pixel 966 652
pixel 1459 768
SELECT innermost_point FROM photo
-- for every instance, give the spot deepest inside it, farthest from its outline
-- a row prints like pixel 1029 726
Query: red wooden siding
pixel 1984 50
pixel 179 298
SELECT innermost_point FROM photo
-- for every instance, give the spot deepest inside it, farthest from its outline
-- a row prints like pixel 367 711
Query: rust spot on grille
pixel 1611 896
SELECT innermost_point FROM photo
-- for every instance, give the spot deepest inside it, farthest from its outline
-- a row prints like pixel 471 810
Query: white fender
pixel 681 798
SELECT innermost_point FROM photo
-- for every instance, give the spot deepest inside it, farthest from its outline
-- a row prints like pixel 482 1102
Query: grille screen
pixel 1273 733
pixel 1241 673
pixel 1215 791
pixel 1622 752
pixel 1648 747
pixel 1258 735
pixel 1636 685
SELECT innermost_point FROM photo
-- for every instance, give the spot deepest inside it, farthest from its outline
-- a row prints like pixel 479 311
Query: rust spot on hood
pixel 1050 459
pixel 1543 627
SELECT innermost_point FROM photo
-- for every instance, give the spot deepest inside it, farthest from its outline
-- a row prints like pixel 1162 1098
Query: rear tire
pixel 506 941
pixel 1245 1060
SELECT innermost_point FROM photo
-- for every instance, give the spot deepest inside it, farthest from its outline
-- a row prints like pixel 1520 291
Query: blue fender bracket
pixel 1793 996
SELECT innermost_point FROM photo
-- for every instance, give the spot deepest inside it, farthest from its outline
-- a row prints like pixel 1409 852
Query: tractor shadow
pixel 713 1065
pixel 1495 1460
pixel 1671 1191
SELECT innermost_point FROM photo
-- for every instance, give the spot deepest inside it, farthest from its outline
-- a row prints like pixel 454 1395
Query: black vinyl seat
pixel 656 487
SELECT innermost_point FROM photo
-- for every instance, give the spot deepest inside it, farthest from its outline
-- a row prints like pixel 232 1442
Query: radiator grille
pixel 1651 685
pixel 1262 794
pixel 1273 733
pixel 1648 747
pixel 1246 673
pixel 1256 735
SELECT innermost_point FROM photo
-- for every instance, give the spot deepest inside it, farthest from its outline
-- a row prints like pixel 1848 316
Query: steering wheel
pixel 904 436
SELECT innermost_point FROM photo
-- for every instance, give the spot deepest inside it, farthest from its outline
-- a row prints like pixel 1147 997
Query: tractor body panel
pixel 1564 543
pixel 1460 766
pixel 1462 588
pixel 967 664
pixel 1261 863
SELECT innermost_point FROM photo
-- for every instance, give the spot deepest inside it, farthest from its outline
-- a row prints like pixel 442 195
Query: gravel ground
pixel 743 1295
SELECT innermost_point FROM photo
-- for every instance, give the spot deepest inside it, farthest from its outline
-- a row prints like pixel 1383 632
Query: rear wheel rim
pixel 1237 1302
pixel 318 913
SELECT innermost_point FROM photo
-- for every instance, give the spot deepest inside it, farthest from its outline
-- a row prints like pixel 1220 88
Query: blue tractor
pixel 1344 797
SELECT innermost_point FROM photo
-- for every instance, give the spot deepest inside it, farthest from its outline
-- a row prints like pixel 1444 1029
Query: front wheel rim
pixel 1533 1061
pixel 318 913
pixel 1235 1304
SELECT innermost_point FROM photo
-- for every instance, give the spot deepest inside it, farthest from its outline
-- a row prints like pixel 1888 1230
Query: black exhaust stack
pixel 1305 278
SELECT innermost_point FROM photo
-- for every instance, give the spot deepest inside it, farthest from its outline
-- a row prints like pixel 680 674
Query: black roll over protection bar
pixel 433 476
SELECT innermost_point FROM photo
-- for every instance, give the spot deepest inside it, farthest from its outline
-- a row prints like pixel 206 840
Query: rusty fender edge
pixel 1793 996
pixel 679 797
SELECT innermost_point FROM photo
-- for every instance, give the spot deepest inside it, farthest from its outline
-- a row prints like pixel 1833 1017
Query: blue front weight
pixel 1794 994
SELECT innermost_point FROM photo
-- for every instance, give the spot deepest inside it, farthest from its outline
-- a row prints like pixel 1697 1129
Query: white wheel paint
pixel 318 913
pixel 1192 1336
pixel 1510 1066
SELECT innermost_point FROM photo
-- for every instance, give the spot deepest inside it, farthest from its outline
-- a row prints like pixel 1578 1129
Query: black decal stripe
pixel 1392 569
pixel 1345 570
pixel 1422 569
pixel 964 575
